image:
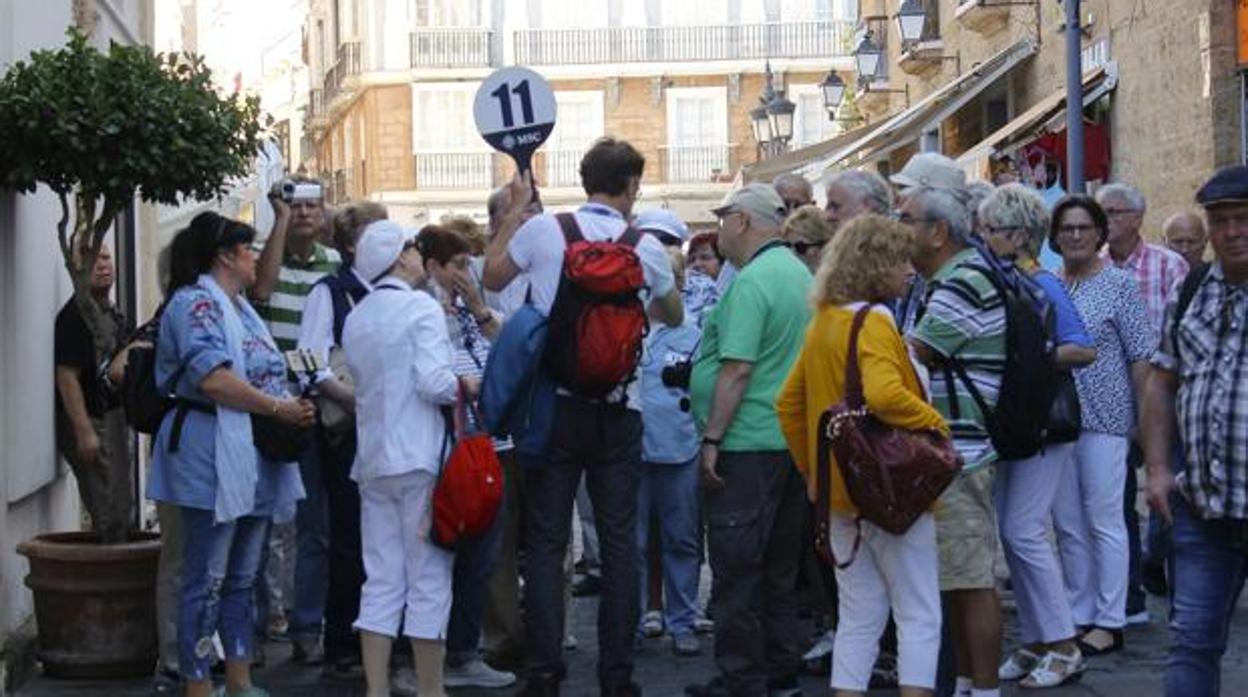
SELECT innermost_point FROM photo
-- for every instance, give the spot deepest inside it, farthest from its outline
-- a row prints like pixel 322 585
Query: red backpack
pixel 470 484
pixel 598 322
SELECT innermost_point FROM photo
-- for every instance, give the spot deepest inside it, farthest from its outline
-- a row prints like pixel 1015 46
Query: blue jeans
pixel 470 585
pixel 1210 562
pixel 312 551
pixel 220 566
pixel 669 494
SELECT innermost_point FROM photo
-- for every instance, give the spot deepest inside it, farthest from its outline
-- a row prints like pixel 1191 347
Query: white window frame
pixel 695 12
pixel 475 148
pixel 560 156
pixel 828 129
pixel 678 166
pixel 557 14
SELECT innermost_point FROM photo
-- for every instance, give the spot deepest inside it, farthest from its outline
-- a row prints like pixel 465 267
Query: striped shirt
pixel 1211 361
pixel 1158 271
pixel 284 310
pixel 964 321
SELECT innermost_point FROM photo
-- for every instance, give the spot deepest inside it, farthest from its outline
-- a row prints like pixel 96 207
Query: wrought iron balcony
pixel 815 39
pixel 685 164
pixel 316 105
pixel 346 66
pixel 451 47
pixel 454 170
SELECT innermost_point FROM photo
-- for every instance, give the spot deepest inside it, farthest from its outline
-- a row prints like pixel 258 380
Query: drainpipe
pixel 1074 99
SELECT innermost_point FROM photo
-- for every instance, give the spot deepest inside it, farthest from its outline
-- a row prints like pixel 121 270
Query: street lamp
pixel 760 125
pixel 911 18
pixel 772 120
pixel 833 88
pixel 780 115
pixel 867 58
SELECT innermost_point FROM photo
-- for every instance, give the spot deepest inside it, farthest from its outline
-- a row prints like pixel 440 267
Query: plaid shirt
pixel 1211 361
pixel 1158 271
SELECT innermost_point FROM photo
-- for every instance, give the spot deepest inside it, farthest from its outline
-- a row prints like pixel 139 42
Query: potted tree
pixel 100 128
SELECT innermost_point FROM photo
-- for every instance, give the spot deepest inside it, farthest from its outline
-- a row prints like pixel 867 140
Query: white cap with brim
pixel 930 169
pixel 379 248
pixel 758 199
pixel 663 221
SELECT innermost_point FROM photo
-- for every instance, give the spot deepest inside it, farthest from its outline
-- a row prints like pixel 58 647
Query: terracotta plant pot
pixel 95 604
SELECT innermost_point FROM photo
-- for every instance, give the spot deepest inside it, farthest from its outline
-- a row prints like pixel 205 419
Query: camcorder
pixel 292 191
pixel 677 375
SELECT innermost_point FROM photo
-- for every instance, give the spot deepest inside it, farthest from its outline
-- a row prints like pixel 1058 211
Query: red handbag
pixel 893 475
pixel 470 483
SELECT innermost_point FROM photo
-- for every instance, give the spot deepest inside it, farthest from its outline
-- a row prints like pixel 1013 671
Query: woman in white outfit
pixel 400 357
pixel 1014 222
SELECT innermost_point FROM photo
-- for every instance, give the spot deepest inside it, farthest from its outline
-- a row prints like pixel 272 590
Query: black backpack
pixel 144 404
pixel 1018 424
pixel 1187 293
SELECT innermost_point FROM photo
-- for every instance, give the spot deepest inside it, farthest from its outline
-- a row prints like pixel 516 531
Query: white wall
pixel 36 495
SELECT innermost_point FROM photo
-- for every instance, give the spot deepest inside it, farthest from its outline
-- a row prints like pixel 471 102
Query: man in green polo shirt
pixel 290 264
pixel 756 502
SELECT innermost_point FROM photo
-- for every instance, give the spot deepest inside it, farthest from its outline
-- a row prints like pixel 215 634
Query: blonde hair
pixel 349 221
pixel 855 265
pixel 470 230
pixel 808 223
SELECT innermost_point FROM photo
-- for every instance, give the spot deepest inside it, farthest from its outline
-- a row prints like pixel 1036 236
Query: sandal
pixel 1018 665
pixel 1090 649
pixel 1055 669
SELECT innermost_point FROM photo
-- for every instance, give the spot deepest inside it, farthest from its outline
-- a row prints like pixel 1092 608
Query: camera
pixel 677 375
pixel 300 191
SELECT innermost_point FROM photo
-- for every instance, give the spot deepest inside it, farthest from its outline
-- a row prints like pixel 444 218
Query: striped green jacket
pixel 284 310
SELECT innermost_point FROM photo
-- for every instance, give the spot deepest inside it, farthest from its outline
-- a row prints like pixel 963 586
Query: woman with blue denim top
pixel 668 490
pixel 1015 224
pixel 214 351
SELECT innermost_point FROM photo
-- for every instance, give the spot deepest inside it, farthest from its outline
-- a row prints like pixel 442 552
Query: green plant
pixel 102 127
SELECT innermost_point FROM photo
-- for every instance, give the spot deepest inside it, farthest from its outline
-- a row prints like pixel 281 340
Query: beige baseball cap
pixel 758 199
pixel 930 169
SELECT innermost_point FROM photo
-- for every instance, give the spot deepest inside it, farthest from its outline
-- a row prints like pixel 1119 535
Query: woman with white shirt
pixel 400 358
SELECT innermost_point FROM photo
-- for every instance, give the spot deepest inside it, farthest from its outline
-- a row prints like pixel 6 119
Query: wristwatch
pixel 707 440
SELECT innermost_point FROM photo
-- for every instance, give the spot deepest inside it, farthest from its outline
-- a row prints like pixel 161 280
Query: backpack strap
pixel 631 237
pixel 1187 293
pixel 571 229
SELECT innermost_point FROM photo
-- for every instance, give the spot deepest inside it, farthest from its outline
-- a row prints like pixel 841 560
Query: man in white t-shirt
pixel 601 438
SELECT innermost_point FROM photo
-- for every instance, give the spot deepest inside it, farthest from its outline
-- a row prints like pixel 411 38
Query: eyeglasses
pixel 802 247
pixel 723 218
pixel 1119 212
pixel 1075 230
pixel 907 219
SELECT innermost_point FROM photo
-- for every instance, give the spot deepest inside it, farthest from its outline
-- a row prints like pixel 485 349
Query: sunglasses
pixel 802 247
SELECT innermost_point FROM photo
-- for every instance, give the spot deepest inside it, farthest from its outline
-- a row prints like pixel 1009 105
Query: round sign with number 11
pixel 515 113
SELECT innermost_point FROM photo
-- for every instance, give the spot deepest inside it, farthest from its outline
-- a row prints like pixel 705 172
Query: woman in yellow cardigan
pixel 868 261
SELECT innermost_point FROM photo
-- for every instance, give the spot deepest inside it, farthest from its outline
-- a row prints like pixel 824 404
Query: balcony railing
pixel 452 47
pixel 819 39
pixel 347 65
pixel 695 163
pixel 563 167
pixel 316 104
pixel 454 170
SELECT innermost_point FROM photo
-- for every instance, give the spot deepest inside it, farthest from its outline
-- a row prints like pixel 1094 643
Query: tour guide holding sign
pixel 600 437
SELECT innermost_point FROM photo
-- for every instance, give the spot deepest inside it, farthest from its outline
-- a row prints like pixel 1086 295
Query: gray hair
pixel 948 206
pixel 791 180
pixel 978 192
pixel 1015 205
pixel 496 202
pixel 869 187
pixel 1126 192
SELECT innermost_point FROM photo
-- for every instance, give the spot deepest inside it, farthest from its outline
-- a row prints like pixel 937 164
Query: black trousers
pixel 604 443
pixel 346 562
pixel 756 535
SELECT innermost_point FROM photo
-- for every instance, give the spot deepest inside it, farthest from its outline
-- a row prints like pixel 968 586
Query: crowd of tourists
pixel 688 416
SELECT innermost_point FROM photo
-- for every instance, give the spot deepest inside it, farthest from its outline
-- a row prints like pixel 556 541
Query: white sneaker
pixel 570 642
pixel 822 647
pixel 703 625
pixel 403 682
pixel 476 673
pixel 652 624
pixel 1141 617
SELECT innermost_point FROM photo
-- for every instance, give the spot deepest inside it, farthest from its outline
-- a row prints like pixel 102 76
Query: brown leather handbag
pixel 893 475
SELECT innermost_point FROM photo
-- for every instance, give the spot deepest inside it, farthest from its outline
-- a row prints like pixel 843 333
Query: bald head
pixel 1185 234
pixel 795 190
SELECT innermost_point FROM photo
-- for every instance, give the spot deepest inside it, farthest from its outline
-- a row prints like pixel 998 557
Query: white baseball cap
pixel 662 220
pixel 930 169
pixel 379 248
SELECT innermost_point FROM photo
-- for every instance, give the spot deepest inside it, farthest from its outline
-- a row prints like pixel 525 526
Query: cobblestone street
pixel 1135 672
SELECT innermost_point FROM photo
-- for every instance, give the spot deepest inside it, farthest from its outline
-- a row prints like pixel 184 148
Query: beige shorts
pixel 966 532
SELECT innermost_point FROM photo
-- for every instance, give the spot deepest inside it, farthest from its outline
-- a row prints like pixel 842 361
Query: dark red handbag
pixel 893 475
pixel 470 485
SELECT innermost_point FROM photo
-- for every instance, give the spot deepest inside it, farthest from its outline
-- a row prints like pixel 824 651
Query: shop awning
pixel 1036 120
pixel 907 126
pixel 772 167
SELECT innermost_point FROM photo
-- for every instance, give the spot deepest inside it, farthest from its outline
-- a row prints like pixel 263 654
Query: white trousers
pixel 1091 531
pixel 897 572
pixel 1024 492
pixel 404 569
